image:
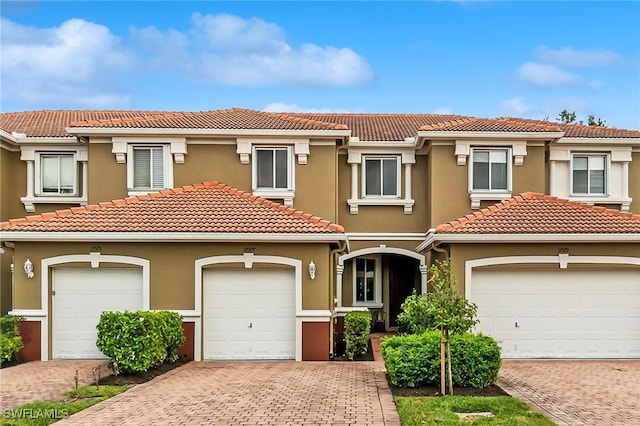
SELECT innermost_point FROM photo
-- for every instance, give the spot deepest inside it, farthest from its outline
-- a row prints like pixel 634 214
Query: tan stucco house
pixel 264 229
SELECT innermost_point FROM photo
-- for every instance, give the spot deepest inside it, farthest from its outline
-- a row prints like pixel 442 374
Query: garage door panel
pixel 256 319
pixel 566 313
pixel 81 295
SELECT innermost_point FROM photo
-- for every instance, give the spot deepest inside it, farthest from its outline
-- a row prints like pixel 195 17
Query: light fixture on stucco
pixel 312 270
pixel 28 268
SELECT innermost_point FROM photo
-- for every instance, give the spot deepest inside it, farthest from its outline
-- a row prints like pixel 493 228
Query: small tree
pixel 567 117
pixel 451 313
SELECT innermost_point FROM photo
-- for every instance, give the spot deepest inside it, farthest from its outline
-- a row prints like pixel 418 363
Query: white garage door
pixel 560 314
pixel 249 314
pixel 81 295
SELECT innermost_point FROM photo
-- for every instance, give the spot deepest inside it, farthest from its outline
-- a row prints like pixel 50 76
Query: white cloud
pixel 283 107
pixel 516 106
pixel 443 110
pixel 546 75
pixel 230 50
pixel 74 64
pixel 572 58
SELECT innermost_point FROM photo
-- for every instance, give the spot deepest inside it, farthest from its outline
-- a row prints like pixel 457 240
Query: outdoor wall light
pixel 28 268
pixel 312 270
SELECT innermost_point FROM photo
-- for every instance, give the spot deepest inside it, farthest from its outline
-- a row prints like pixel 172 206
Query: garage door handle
pixel 250 325
pixel 517 326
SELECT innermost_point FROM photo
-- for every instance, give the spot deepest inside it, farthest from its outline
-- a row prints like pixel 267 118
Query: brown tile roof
pixel 235 118
pixel 381 127
pixel 208 207
pixel 533 213
pixel 368 127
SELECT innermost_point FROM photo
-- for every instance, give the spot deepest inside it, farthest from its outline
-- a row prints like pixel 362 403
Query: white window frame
pixel 38 174
pixel 377 289
pixel 507 151
pixel 363 183
pixel 286 194
pixel 167 173
pixel 607 171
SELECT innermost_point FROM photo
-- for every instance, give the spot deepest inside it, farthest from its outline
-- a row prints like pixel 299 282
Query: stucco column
pixel 552 177
pixel 339 272
pixel 423 278
pixel 407 181
pixel 30 178
pixel 354 181
pixel 625 179
pixel 85 177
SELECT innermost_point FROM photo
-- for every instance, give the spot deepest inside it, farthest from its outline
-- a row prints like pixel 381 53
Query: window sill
pixel 136 192
pixel 370 305
pixel 284 195
pixel 354 204
pixel 625 203
pixel 30 201
pixel 477 197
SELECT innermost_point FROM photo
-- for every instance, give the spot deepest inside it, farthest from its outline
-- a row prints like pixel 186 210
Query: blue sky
pixel 487 59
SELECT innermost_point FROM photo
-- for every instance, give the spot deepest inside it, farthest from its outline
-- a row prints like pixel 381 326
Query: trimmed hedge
pixel 136 341
pixel 414 360
pixel 357 328
pixel 10 339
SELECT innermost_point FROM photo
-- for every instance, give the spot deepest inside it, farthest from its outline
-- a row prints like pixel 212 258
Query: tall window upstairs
pixel 55 175
pixel 589 174
pixel 381 177
pixel 489 175
pixel 273 173
pixel 149 169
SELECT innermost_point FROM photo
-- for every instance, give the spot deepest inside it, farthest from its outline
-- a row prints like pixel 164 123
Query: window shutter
pixel 158 167
pixel 141 168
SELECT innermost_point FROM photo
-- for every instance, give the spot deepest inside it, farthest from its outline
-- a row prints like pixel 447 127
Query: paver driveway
pixel 577 392
pixel 253 393
pixel 38 380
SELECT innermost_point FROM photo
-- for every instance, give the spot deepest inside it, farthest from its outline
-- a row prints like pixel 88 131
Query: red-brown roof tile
pixel 533 213
pixel 209 207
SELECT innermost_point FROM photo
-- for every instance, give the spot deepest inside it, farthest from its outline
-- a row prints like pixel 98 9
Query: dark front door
pixel 403 272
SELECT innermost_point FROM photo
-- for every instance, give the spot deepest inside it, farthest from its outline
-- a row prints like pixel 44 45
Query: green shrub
pixel 172 332
pixel 415 317
pixel 136 341
pixel 357 327
pixel 10 339
pixel 475 360
pixel 414 360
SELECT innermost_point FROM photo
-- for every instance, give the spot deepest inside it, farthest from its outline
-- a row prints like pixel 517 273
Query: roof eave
pixel 88 131
pixel 597 140
pixel 440 134
pixel 43 236
pixel 529 238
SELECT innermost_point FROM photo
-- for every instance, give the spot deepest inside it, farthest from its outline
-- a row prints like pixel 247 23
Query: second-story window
pixel 57 174
pixel 381 177
pixel 490 169
pixel 589 174
pixel 149 168
pixel 273 169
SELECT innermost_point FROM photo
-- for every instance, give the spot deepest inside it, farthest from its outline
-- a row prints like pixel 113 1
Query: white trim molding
pixel 357 157
pixel 562 260
pixel 94 259
pixel 248 260
pixel 381 249
pixel 245 147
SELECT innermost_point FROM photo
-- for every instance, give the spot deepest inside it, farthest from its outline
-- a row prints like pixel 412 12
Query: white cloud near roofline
pixel 284 107
pixel 231 50
pixel 83 64
pixel 572 58
pixel 73 64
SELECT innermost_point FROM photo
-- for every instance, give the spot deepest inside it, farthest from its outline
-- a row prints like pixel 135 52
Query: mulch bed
pixel 493 390
pixel 366 357
pixel 136 379
pixel 12 363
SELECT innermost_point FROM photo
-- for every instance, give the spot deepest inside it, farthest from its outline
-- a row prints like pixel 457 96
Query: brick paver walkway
pixel 253 393
pixel 577 392
pixel 38 380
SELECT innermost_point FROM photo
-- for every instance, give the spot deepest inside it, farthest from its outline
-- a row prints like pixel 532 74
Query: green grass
pixel 42 413
pixel 441 411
